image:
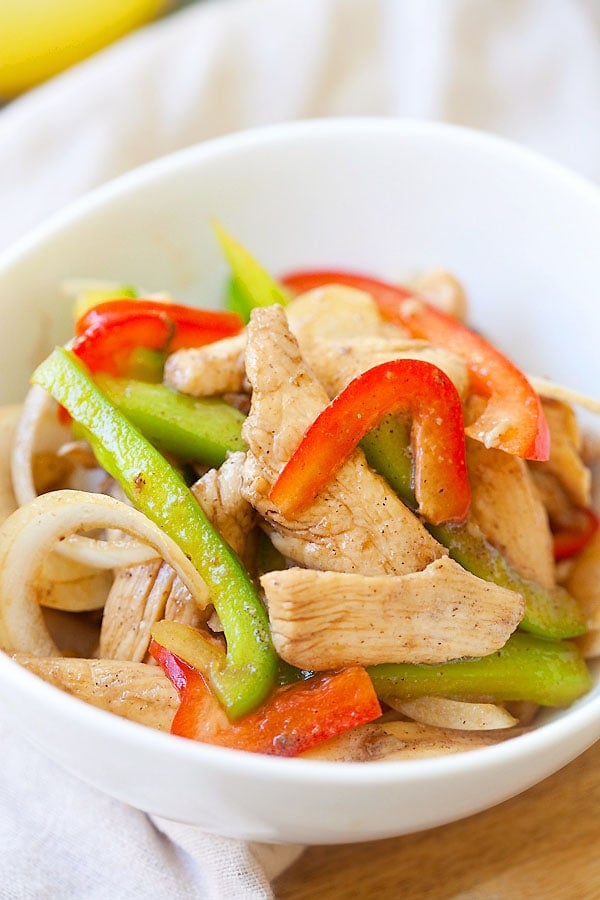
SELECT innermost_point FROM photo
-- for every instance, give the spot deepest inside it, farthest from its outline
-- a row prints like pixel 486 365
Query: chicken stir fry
pixel 348 530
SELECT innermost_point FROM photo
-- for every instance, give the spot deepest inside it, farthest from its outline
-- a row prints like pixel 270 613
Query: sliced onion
pixel 39 430
pixel 70 586
pixel 78 595
pixel 31 532
pixel 553 391
pixel 458 715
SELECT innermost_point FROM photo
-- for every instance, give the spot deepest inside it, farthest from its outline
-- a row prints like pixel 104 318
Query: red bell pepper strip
pixel 571 541
pixel 437 438
pixel 110 348
pixel 107 334
pixel 513 419
pixel 293 719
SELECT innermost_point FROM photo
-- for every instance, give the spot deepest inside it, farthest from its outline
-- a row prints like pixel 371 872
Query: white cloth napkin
pixel 527 69
pixel 63 839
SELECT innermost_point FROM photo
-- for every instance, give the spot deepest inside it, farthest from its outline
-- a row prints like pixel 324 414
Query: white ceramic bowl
pixel 384 196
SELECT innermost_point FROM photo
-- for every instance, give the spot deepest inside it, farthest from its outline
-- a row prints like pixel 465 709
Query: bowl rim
pixel 577 719
pixel 142 738
pixel 252 138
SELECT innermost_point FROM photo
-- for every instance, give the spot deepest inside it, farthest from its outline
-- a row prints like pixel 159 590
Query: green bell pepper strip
pixel 146 365
pixel 549 612
pixel 387 449
pixel 196 430
pixel 528 667
pixel 155 488
pixel 250 285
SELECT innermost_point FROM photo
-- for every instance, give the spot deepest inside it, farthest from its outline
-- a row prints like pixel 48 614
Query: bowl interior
pixel 379 196
pixel 385 197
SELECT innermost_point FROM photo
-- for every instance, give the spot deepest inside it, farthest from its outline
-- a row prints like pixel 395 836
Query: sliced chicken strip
pixel 508 509
pixel 179 607
pixel 142 595
pixel 136 601
pixel 332 312
pixel 336 313
pixel 207 371
pixel 326 620
pixel 584 583
pixel 403 740
pixel 131 690
pixel 564 480
pixel 356 523
pixel 444 291
pixel 341 334
pixel 335 364
pixel 219 493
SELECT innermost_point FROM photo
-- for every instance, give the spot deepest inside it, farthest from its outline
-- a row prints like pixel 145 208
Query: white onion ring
pixel 31 532
pixel 76 595
pixel 442 712
pixel 39 429
pixel 554 391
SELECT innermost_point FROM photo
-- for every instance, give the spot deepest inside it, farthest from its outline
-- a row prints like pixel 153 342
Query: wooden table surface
pixel 544 844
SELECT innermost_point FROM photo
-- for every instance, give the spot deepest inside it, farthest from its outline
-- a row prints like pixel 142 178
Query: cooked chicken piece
pixel 456 714
pixel 355 523
pixel 218 368
pixel 337 313
pixel 564 480
pixel 135 603
pixel 556 500
pixel 326 620
pixel 402 740
pixel 444 291
pixel 335 364
pixel 341 334
pixel 180 607
pixel 214 369
pixel 142 595
pixel 331 323
pixel 131 690
pixel 219 493
pixel 583 582
pixel 508 509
